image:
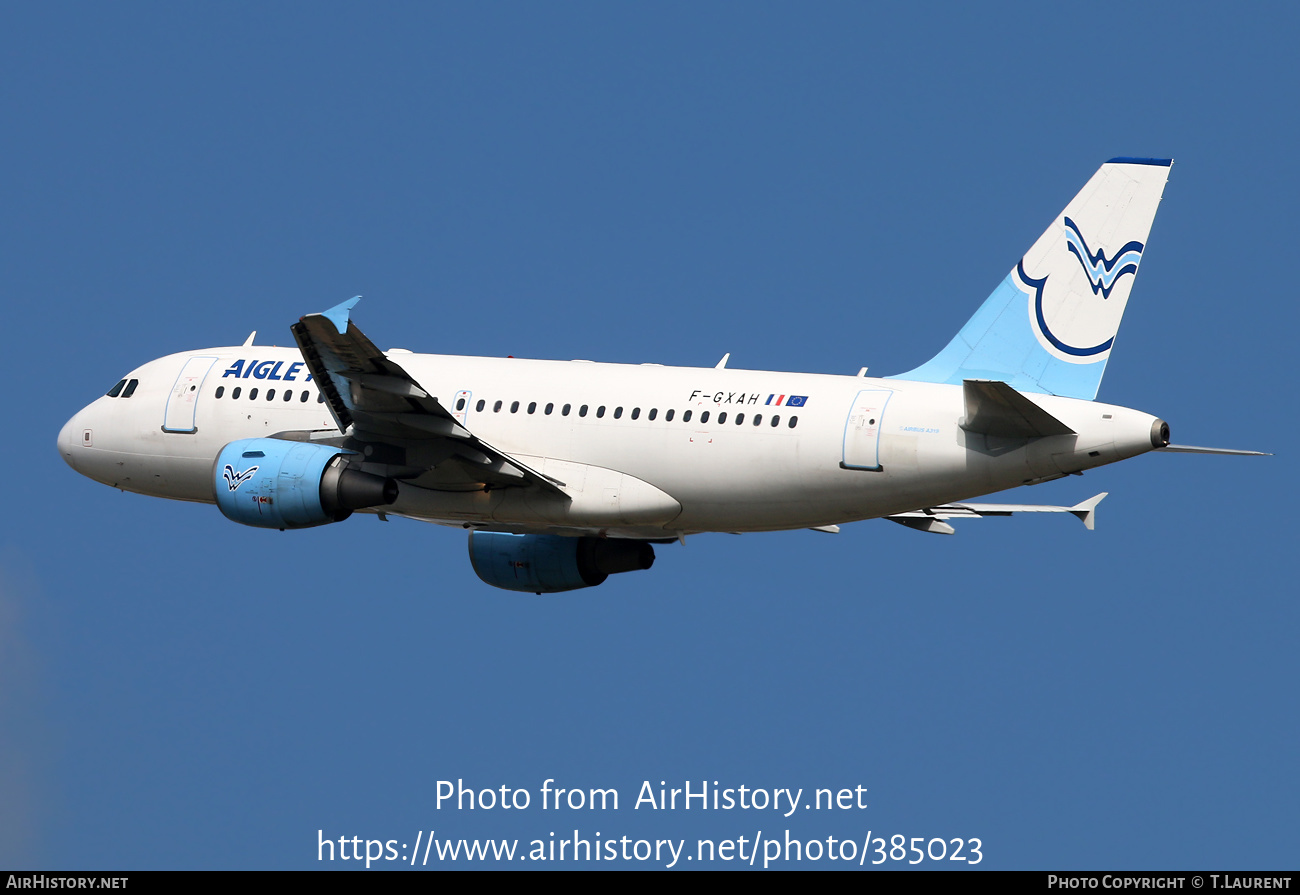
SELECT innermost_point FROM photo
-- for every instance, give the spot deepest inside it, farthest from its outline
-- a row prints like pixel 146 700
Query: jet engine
pixel 270 483
pixel 548 564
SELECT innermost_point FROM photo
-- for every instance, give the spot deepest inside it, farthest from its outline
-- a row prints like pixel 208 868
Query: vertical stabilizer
pixel 1050 325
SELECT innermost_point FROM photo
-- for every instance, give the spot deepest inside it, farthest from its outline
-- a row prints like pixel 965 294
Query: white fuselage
pixel 859 448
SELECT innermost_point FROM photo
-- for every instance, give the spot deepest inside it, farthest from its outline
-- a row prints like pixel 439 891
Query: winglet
pixel 338 315
pixel 1087 510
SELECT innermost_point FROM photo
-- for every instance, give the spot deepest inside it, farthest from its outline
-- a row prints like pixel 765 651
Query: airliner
pixel 564 472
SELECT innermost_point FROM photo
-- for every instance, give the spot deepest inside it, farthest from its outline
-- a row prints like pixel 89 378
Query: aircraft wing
pixel 397 423
pixel 933 519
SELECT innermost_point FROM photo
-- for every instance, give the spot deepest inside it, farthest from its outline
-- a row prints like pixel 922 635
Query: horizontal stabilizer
pixel 995 408
pixel 1189 449
pixel 1086 511
pixel 923 523
pixel 932 518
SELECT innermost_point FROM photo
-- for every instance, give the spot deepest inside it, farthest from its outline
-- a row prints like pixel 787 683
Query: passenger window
pixel 758 419
pixel 130 388
pixel 288 394
pixel 704 417
pixel 496 408
pixel 252 394
pixel 740 419
pixel 117 389
pixel 636 412
pixel 460 404
pixel 235 393
pixel 532 406
pixel 794 421
pixel 564 411
pixel 600 411
pixel 582 411
pixel 686 417
pixel 270 394
pixel 618 413
pixel 320 397
pixel 722 417
pixel 514 406
pixel 776 420
pixel 549 408
pixel 480 405
pixel 668 415
pixel 305 395
pixel 221 390
pixel 654 412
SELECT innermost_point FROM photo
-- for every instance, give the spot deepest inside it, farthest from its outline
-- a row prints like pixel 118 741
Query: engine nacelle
pixel 270 483
pixel 548 564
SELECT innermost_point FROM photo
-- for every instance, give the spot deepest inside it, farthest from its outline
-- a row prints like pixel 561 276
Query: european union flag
pixel 796 400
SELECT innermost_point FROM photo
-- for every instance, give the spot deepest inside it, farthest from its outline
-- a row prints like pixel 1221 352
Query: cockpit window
pixel 117 389
pixel 130 388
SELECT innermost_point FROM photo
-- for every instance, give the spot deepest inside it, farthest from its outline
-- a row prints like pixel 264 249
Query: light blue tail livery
pixel 1050 325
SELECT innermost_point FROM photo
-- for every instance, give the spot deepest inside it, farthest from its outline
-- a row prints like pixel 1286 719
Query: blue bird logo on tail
pixel 1102 273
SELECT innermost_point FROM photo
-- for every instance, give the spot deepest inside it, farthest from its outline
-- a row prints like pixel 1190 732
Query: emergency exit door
pixel 862 429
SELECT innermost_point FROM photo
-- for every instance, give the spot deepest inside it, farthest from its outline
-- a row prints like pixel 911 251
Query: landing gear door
pixel 862 429
pixel 179 415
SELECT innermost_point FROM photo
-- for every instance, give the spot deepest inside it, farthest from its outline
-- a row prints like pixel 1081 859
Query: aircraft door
pixel 181 403
pixel 862 429
pixel 460 405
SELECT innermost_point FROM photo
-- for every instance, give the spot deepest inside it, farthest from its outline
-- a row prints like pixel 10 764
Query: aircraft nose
pixel 70 437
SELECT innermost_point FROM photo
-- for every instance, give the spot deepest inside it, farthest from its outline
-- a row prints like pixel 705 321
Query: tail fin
pixel 1049 327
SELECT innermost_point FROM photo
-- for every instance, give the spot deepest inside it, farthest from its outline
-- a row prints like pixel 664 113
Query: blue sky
pixel 809 189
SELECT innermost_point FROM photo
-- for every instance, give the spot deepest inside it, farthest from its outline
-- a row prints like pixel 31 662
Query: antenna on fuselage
pixel 251 337
pixel 722 364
